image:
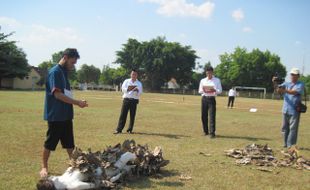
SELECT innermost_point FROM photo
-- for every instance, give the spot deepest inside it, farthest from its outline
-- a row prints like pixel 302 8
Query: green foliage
pixel 13 61
pixel 113 76
pixel 244 68
pixel 47 65
pixel 158 61
pixel 88 74
pixel 306 80
pixel 44 67
pixel 56 57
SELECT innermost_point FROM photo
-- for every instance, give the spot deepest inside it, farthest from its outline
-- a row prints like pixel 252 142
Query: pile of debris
pixel 293 159
pixel 262 156
pixel 109 168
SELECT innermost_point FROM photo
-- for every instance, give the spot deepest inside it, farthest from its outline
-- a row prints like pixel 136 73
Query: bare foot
pixel 43 173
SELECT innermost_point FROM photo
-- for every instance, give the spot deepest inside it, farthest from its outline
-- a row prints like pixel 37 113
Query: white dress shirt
pixel 232 92
pixel 131 94
pixel 213 82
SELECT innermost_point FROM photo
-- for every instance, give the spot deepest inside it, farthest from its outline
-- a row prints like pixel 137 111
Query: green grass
pixel 171 121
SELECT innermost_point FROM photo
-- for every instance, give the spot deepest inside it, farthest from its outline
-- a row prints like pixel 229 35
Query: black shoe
pixel 117 132
pixel 129 131
pixel 206 134
pixel 212 136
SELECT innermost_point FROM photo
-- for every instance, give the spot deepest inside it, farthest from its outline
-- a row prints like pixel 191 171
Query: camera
pixel 277 81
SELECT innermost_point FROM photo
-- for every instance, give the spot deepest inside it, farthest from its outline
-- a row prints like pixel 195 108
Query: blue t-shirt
pixel 291 101
pixel 54 109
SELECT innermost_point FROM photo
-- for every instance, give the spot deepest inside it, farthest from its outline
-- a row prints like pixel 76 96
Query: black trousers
pixel 208 111
pixel 129 104
pixel 231 100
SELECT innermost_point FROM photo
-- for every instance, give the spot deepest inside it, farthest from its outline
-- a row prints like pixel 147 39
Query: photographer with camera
pixel 292 106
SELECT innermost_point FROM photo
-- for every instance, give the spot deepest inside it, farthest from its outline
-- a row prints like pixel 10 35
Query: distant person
pixel 292 93
pixel 58 109
pixel 231 98
pixel 132 89
pixel 209 88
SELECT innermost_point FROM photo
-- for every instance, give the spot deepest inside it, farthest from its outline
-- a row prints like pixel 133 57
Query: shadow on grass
pixel 144 182
pixel 172 136
pixel 304 148
pixel 244 138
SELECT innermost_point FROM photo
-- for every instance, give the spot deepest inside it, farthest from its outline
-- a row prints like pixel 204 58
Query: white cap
pixel 295 71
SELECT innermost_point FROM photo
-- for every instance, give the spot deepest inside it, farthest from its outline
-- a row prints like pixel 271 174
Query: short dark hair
pixel 134 70
pixel 45 184
pixel 71 53
pixel 209 68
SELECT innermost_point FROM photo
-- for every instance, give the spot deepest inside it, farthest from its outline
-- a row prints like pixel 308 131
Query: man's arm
pixel 140 89
pixel 298 90
pixel 218 87
pixel 56 80
pixel 292 91
pixel 60 96
pixel 124 86
pixel 200 89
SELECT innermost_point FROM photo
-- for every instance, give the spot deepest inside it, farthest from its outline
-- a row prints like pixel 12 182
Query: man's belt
pixel 130 99
pixel 209 97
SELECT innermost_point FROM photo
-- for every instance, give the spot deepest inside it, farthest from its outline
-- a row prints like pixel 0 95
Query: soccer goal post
pixel 236 88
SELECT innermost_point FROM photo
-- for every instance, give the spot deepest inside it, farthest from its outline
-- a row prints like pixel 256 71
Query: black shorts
pixel 59 130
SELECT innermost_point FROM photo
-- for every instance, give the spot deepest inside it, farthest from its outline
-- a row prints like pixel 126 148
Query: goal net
pixel 251 92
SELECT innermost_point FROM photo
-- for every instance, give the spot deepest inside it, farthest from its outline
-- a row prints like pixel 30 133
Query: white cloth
pixel 232 92
pixel 210 83
pixel 131 94
pixel 124 159
pixel 72 180
pixel 68 93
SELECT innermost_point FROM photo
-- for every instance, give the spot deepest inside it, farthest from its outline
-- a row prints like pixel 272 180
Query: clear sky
pixel 98 28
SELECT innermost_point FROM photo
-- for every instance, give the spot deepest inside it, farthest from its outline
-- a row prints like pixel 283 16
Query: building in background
pixel 30 82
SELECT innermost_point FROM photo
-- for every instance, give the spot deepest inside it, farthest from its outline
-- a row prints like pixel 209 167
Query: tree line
pixel 13 61
pixel 157 61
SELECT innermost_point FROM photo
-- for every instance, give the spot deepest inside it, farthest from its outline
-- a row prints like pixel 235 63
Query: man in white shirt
pixel 132 89
pixel 231 98
pixel 209 88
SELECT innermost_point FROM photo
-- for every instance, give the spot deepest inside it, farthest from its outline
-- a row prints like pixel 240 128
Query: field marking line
pixel 160 101
pixel 102 98
pixel 184 103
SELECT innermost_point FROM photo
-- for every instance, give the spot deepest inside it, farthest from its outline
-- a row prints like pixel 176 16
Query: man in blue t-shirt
pixel 292 92
pixel 58 109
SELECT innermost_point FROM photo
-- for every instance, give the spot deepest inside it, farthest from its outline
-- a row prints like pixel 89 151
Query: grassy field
pixel 171 121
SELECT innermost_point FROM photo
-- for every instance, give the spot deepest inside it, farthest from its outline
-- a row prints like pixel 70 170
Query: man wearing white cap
pixel 292 93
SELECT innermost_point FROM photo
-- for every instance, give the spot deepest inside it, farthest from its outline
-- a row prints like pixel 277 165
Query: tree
pixel 56 57
pixel 306 80
pixel 47 65
pixel 158 61
pixel 119 75
pixel 112 76
pixel 44 67
pixel 13 61
pixel 243 68
pixel 88 74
